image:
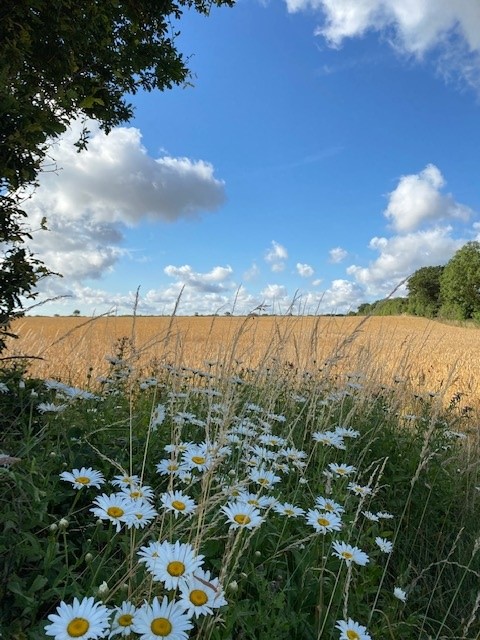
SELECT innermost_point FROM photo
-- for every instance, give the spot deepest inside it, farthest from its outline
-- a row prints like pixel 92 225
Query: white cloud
pixel 112 184
pixel 337 255
pixel 276 256
pixel 304 270
pixel 399 256
pixel 215 281
pixel 418 199
pixel 451 27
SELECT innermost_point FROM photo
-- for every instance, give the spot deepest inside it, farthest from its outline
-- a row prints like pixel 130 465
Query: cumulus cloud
pixel 276 256
pixel 418 199
pixel 214 281
pixel 304 270
pixel 401 255
pixel 413 27
pixel 337 254
pixel 114 183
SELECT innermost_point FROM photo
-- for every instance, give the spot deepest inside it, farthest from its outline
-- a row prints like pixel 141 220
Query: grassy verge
pixel 235 504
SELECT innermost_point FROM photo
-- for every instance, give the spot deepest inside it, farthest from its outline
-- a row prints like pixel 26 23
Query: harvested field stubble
pixel 427 356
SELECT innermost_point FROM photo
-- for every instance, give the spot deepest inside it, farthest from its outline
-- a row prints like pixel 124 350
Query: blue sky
pixel 326 150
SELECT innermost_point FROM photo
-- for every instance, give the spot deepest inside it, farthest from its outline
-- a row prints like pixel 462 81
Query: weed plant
pixel 232 504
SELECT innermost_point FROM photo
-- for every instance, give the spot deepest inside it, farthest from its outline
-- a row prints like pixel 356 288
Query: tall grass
pixel 346 466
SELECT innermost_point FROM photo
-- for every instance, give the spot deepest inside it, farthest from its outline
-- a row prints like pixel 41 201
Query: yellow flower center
pixel 323 522
pixel 82 480
pixel 176 568
pixel 77 627
pixel 125 620
pixel 328 507
pixel 179 505
pixel 161 627
pixel 136 494
pixel 352 635
pixel 347 555
pixel 198 597
pixel 115 512
pixel 263 481
pixel 173 466
pixel 254 502
pixel 289 512
pixel 242 519
pixel 341 471
pixel 198 459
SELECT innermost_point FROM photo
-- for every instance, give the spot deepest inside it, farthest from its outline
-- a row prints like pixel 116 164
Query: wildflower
pixel 178 502
pixel 4 388
pixel 323 522
pixel 385 545
pixel 347 432
pixel 196 457
pixel 260 502
pixel 50 407
pixel 103 589
pixel 116 507
pixel 144 514
pixel 84 477
pixel 400 594
pixel 161 620
pixel 341 469
pixel 288 510
pixel 242 515
pixel 175 563
pixel 351 630
pixel 137 492
pixel 350 554
pixel 263 477
pixel 385 515
pixel 126 481
pixel 329 438
pixel 122 622
pixel 150 553
pixel 200 594
pixel 168 467
pixel 358 490
pixel 325 504
pixel 84 620
pixel 373 517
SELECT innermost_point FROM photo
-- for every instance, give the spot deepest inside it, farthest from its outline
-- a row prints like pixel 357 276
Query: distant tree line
pixel 451 292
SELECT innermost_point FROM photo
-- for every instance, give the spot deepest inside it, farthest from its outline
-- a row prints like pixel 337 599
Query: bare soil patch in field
pixel 429 356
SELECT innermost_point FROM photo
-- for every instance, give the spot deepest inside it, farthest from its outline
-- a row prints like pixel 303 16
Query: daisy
pixel 162 620
pixel 200 594
pixel 385 515
pixel 125 481
pixel 242 515
pixel 347 432
pixel 124 616
pixel 260 502
pixel 341 469
pixel 82 620
pixel 178 502
pixel 351 630
pixel 293 454
pixel 137 492
pixel 84 477
pixel 144 514
pixel 329 505
pixel 385 545
pixel 373 517
pixel 197 457
pixel 358 490
pixel 288 510
pixel 175 563
pixel 168 467
pixel 263 477
pixel 400 594
pixel 45 407
pixel 323 521
pixel 350 554
pixel 149 554
pixel 116 507
pixel 329 439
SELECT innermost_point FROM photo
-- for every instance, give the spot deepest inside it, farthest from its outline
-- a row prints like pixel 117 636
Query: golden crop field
pixel 427 355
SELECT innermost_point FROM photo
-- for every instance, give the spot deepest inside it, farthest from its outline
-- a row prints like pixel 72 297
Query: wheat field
pixel 428 356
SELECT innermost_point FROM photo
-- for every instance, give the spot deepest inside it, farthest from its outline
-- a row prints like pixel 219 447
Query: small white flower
pixel 84 477
pixel 85 620
pixel 351 630
pixel 242 515
pixel 323 521
pixel 400 594
pixel 349 553
pixel 384 545
pixel 178 502
pixel 122 622
pixel 117 508
pixel 165 619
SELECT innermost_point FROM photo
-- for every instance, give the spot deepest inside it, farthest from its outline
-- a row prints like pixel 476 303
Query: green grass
pixel 281 579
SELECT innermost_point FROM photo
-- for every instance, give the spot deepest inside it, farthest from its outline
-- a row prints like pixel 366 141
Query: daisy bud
pixel 63 524
pixel 243 575
pixel 232 473
pixel 233 586
pixel 53 454
pixel 88 557
pixel 258 554
pixel 53 527
pixel 103 589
